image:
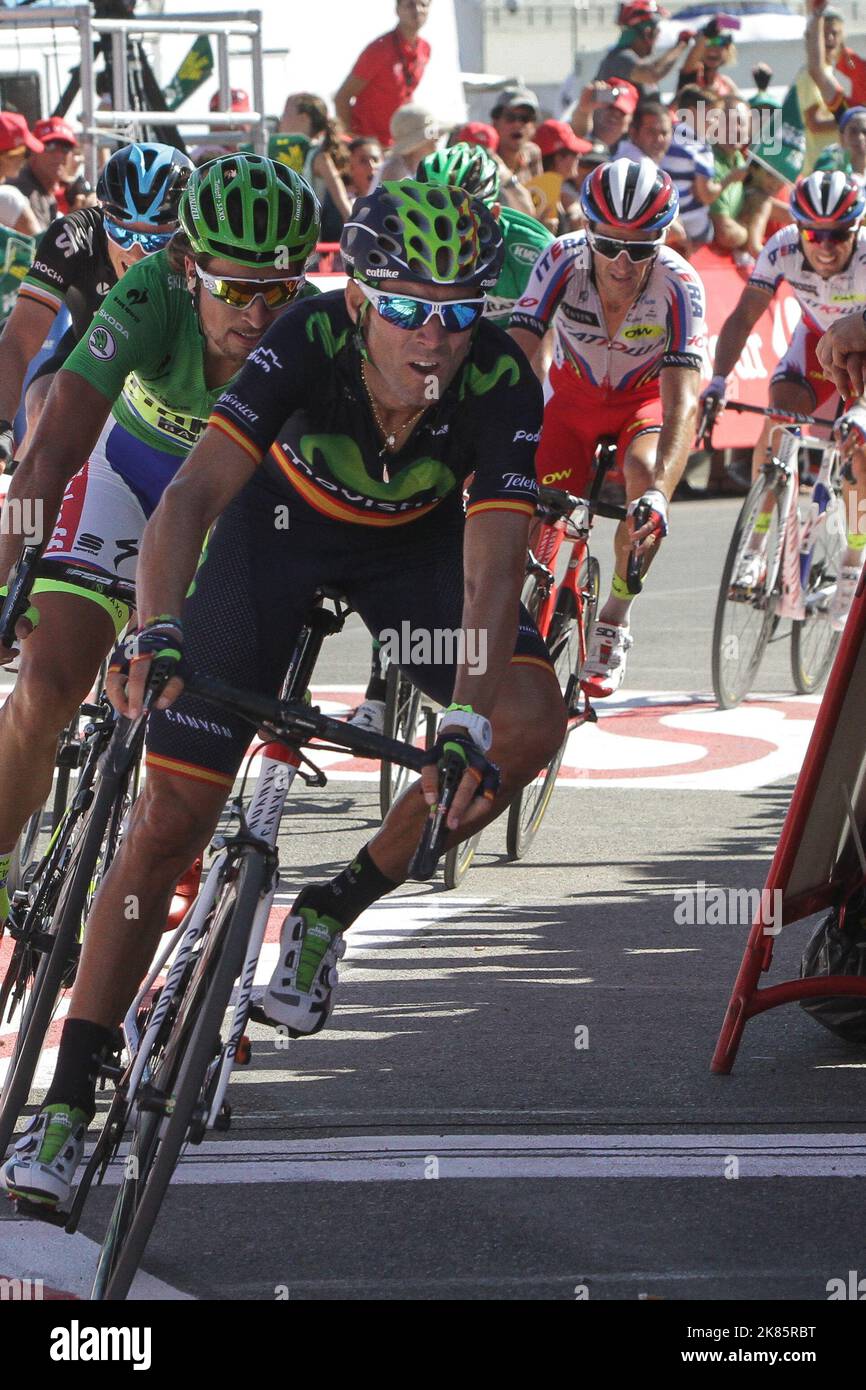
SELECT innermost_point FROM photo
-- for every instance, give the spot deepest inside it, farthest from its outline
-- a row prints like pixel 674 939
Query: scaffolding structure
pixel 125 123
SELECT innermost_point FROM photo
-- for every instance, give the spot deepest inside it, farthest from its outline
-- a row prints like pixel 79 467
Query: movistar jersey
pixel 145 354
pixel 299 403
pixel 822 301
pixel 525 239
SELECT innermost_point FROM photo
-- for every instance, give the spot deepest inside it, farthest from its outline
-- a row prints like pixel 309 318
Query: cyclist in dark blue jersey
pixel 337 457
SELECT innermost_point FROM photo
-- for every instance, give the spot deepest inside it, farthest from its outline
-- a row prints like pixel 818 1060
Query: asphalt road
pixel 513 1100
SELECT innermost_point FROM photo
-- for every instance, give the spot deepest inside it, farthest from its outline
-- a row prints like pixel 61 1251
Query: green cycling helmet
pixel 429 234
pixel 469 167
pixel 246 208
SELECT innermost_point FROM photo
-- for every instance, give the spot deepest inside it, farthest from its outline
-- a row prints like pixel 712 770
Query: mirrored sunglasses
pixel 240 293
pixel 405 311
pixel 819 234
pixel 127 237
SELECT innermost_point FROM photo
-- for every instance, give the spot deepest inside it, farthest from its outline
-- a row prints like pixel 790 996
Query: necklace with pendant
pixel 389 437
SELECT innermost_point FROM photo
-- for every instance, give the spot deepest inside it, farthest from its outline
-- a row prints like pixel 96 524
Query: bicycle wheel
pixel 528 807
pixel 50 934
pixel 181 1075
pixel 813 641
pixel 404 720
pixel 744 622
pixel 457 861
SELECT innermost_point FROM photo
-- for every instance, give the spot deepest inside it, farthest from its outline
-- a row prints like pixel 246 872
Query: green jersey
pixel 525 239
pixel 145 354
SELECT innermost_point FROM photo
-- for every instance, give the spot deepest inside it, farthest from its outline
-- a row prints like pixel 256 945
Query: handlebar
pixel 297 724
pixel 713 408
pixel 634 569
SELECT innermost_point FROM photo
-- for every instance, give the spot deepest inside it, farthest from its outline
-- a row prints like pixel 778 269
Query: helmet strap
pixel 359 331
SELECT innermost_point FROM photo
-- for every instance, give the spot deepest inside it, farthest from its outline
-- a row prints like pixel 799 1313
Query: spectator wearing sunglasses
pixel 15 141
pixel 633 57
pixel 79 259
pixel 822 257
pixel 386 75
pixel 514 117
pixel 713 49
pixel 40 176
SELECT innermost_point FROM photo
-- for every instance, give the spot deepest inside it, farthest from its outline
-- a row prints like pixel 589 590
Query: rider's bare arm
pixel 680 390
pixel 68 429
pixel 494 558
pixel 352 87
pixel 737 327
pixel 171 546
pixel 531 345
pixel 842 354
pixel 23 336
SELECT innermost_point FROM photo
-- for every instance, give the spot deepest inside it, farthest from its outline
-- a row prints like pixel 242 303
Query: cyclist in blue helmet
pixel 79 259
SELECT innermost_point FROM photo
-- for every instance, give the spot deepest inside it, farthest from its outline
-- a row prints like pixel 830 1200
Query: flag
pixel 195 69
pixel 785 149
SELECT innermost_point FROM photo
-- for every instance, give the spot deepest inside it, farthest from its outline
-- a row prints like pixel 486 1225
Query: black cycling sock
pixel 376 684
pixel 83 1046
pixel 351 892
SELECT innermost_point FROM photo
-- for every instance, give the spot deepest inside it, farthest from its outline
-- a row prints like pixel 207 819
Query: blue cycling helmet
pixel 143 183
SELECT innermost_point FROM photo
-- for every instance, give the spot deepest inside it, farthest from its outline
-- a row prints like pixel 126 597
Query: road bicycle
pixel 564 611
pixel 48 911
pixel 800 552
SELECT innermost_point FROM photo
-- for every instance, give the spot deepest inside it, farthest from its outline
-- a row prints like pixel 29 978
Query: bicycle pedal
pixel 40 1211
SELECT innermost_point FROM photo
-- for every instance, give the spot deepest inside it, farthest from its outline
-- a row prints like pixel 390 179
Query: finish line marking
pixel 419 1157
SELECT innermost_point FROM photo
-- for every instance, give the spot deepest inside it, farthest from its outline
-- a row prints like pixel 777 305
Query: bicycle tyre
pixel 403 718
pixel 458 860
pixel 48 982
pixel 813 641
pixel 191 1068
pixel 733 675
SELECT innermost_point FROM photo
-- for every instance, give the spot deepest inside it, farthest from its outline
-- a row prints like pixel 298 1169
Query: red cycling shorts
pixel 576 417
pixel 800 364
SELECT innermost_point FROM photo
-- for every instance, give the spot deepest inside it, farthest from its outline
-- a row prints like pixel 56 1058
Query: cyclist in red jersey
pixel 628 317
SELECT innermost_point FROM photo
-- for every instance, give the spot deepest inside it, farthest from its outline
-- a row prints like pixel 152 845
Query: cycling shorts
pixel 575 419
pixel 255 586
pixel 800 364
pixel 104 511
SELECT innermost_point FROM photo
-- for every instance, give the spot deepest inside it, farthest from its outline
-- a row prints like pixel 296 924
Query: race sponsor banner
pixel 750 380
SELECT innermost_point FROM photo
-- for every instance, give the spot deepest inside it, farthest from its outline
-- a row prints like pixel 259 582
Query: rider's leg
pixel 57 666
pixel 639 470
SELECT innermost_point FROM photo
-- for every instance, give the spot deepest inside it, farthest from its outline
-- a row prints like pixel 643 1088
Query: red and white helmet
pixel 630 194
pixel 828 198
pixel 634 12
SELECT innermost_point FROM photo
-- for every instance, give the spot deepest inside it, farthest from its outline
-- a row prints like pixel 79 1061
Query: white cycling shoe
pixel 751 571
pixel 606 656
pixel 42 1165
pixel 840 603
pixel 300 993
pixel 369 716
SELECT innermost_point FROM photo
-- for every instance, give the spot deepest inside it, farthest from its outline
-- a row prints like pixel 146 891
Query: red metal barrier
pixel 816 864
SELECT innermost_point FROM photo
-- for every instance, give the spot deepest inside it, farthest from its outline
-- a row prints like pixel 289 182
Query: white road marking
pixel 33 1250
pixel 409 1158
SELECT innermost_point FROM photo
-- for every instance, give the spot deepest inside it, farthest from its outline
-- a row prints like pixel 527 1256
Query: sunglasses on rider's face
pixel 831 234
pixel 636 251
pixel 405 311
pixel 127 237
pixel 239 294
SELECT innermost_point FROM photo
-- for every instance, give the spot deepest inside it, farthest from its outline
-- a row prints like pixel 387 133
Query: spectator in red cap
pixel 39 177
pixel 476 133
pixel 560 153
pixel 239 102
pixel 15 141
pixel 386 74
pixel 604 111
pixel 632 57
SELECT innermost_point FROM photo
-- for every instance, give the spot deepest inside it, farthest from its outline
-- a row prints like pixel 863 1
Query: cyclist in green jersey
pixel 166 343
pixel 472 168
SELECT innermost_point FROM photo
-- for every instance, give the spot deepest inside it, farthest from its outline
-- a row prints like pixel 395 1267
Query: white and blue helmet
pixel 143 183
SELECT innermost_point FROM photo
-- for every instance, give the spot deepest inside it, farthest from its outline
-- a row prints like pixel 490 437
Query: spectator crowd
pixel 710 139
